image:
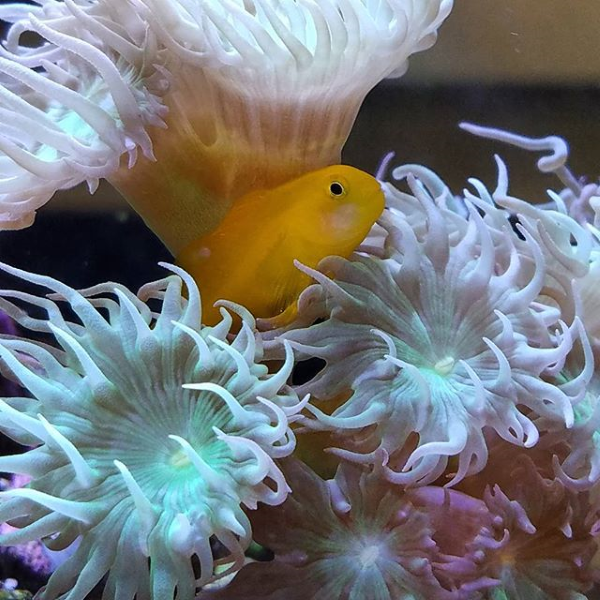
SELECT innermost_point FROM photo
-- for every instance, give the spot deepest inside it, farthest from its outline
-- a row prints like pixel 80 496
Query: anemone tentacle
pixel 440 333
pixel 152 432
pixel 72 106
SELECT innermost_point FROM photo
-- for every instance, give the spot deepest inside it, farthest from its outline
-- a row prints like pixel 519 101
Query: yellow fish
pixel 249 258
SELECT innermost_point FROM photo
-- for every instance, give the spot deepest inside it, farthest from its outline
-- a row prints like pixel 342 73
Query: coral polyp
pixel 150 433
pixel 440 334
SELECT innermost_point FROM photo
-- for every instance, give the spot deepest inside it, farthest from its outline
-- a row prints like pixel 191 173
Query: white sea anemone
pixel 71 107
pixel 265 90
pixel 441 335
pixel 558 227
pixel 260 91
pixel 150 433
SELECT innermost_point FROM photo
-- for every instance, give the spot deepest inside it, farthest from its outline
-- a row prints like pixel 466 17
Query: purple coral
pixel 541 541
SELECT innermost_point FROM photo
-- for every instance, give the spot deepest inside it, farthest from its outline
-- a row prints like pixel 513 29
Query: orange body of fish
pixel 249 258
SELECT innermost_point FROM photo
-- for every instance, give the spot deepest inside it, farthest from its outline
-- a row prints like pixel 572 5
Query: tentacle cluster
pixel 151 432
pixel 73 105
pixel 539 540
pixel 566 245
pixel 319 41
pixel 355 536
pixel 440 334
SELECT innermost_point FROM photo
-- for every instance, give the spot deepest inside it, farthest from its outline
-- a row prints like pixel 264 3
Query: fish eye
pixel 336 189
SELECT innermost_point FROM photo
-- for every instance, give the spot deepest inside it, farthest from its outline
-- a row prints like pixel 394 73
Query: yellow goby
pixel 249 258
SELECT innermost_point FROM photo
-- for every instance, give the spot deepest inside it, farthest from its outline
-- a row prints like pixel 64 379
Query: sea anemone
pixel 441 336
pixel 265 91
pixel 150 432
pixel 259 92
pixel 352 537
pixel 71 107
pixel 540 541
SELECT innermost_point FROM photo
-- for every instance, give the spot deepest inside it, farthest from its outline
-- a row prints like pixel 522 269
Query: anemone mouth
pixel 150 445
pixel 152 432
